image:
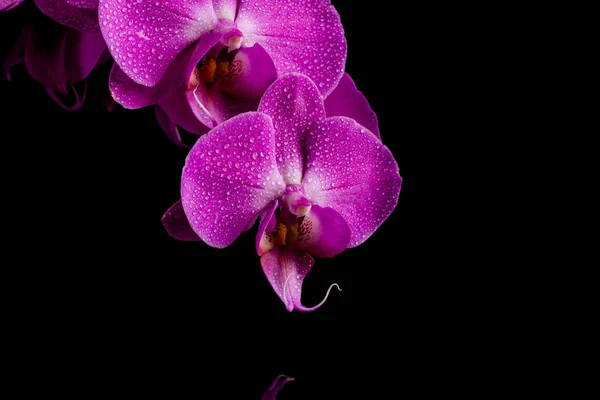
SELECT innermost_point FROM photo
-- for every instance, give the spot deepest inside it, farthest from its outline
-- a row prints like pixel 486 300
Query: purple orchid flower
pixel 319 184
pixel 6 5
pixel 61 55
pixel 204 61
pixel 276 386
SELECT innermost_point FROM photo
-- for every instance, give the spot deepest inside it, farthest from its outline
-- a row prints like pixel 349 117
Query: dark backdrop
pixel 105 290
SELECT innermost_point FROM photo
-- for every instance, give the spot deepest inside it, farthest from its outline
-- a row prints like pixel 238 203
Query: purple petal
pixel 145 36
pixel 304 36
pixel 79 18
pixel 91 4
pixel 83 53
pixel 198 96
pixel 177 224
pixel 6 5
pixel 109 103
pixel 267 224
pixel 198 99
pixel 250 74
pixel 168 126
pixel 178 110
pixel 200 49
pixel 70 59
pixel 349 170
pixel 276 386
pixel 225 9
pixel 294 103
pixel 285 269
pixel 347 101
pixel 46 64
pixel 78 102
pixel 16 55
pixel 323 233
pixel 132 95
pixel 222 106
pixel 229 177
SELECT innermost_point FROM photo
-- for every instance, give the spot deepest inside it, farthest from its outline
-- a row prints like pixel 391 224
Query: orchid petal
pixel 109 103
pixel 46 64
pixel 285 269
pixel 69 58
pixel 225 9
pixel 294 103
pixel 347 101
pixel 276 386
pixel 83 53
pixel 168 126
pixel 349 170
pixel 250 74
pixel 267 224
pixel 229 176
pixel 145 36
pixel 6 5
pixel 79 99
pixel 323 233
pixel 132 95
pixel 16 55
pixel 200 49
pixel 199 99
pixel 91 4
pixel 62 12
pixel 213 107
pixel 177 225
pixel 304 36
pixel 178 110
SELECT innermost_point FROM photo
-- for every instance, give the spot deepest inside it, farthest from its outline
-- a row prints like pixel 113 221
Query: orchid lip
pixel 217 65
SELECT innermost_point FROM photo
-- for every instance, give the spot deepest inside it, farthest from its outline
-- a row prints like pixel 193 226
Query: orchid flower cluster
pixel 284 137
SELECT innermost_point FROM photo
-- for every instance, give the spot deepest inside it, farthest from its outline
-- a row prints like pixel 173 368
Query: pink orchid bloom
pixel 203 61
pixel 319 184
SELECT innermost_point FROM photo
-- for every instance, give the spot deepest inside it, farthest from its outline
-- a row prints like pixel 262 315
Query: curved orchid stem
pixel 78 99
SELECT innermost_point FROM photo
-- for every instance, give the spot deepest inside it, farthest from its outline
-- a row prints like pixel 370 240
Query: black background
pixel 106 298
